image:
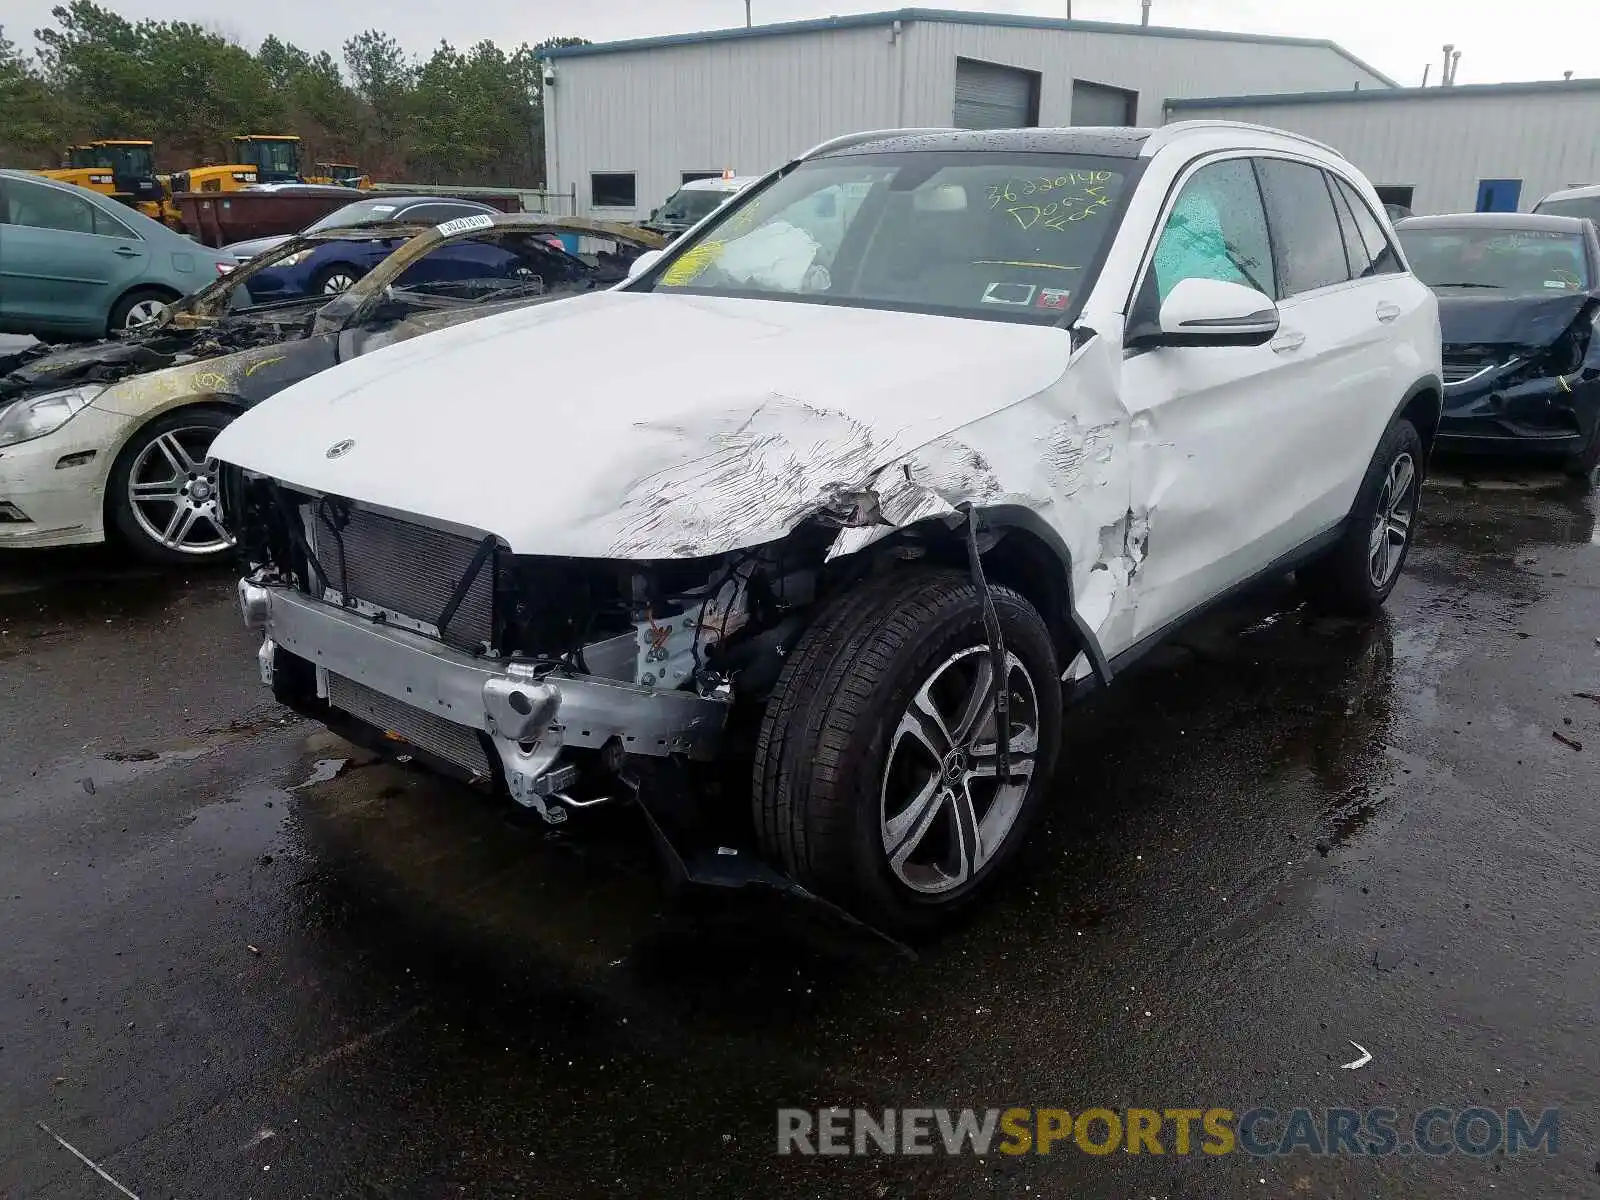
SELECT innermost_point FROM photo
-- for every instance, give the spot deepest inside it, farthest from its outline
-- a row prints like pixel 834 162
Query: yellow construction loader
pixel 341 175
pixel 257 158
pixel 122 168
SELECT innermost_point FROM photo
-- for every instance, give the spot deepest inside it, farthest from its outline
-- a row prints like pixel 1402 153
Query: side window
pixel 1217 230
pixel 1355 250
pixel 108 226
pixel 45 208
pixel 1384 260
pixel 1305 228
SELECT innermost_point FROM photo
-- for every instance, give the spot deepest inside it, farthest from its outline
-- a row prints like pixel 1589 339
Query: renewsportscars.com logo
pixel 1258 1132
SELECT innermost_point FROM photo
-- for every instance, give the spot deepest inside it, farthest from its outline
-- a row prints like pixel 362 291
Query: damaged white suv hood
pixel 625 425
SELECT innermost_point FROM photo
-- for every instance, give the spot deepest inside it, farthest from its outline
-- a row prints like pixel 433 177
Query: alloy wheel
pixel 339 281
pixel 143 313
pixel 174 492
pixel 1391 525
pixel 945 812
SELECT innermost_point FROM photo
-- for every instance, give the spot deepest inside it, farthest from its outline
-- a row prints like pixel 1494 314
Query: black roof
pixel 1105 142
pixel 1534 222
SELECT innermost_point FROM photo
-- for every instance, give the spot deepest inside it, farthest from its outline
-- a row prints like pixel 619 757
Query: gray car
pixel 74 263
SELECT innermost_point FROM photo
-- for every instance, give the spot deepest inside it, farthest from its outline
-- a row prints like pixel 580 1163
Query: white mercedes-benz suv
pixel 853 489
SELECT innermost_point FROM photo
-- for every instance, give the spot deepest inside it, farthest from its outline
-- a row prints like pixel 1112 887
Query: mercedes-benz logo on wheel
pixel 340 449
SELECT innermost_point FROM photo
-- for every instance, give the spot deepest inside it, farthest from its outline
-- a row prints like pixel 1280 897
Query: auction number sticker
pixel 463 224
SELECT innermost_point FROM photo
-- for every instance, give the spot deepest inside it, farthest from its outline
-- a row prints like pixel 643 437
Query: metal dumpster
pixel 219 218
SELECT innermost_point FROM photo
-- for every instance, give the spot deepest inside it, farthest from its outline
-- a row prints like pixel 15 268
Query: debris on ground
pixel 323 770
pixel 1573 743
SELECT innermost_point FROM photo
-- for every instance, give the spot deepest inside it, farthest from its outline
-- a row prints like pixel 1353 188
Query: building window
pixel 612 189
pixel 1499 195
pixel 1099 104
pixel 694 176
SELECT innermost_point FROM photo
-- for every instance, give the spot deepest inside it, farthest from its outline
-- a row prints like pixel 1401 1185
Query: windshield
pixel 275 160
pixel 1508 260
pixel 686 206
pixel 133 162
pixel 1576 206
pixel 1007 236
pixel 359 213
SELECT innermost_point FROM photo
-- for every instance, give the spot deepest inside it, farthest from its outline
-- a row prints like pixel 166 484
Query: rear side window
pixel 41 207
pixel 1217 230
pixel 1305 227
pixel 1372 254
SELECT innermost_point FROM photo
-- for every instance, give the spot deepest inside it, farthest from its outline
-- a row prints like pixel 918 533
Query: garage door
pixel 989 96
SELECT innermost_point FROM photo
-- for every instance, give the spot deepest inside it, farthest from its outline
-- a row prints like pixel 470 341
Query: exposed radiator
pixel 454 743
pixel 408 569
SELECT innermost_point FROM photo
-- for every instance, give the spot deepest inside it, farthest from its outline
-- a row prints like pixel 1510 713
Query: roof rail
pixel 846 140
pixel 1167 134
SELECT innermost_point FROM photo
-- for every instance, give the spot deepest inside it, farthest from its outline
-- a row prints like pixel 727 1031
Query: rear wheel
pixel 164 492
pixel 876 773
pixel 139 307
pixel 1357 574
pixel 339 277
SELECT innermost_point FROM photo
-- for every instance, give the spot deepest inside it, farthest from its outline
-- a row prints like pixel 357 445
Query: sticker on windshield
pixel 463 224
pixel 1054 298
pixel 1020 294
pixel 383 208
pixel 1558 283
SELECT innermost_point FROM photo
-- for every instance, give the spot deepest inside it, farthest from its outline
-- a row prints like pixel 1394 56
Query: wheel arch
pixel 1423 406
pixel 1030 557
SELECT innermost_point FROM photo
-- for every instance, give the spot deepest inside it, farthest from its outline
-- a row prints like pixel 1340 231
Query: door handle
pixel 125 252
pixel 1388 312
pixel 1288 342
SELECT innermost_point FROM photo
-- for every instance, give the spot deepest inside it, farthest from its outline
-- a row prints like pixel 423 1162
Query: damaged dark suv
pixel 1519 298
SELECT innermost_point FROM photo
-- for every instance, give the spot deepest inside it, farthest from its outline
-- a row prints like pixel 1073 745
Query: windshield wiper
pixel 1496 286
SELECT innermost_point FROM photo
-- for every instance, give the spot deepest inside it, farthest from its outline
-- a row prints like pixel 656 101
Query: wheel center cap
pixel 954 765
pixel 200 492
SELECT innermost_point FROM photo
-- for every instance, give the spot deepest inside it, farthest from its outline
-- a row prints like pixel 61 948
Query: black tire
pixel 319 281
pixel 1584 463
pixel 1344 581
pixel 831 725
pixel 189 426
pixel 135 300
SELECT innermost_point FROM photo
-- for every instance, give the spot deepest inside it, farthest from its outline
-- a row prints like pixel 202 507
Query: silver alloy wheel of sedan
pixel 1391 526
pixel 174 492
pixel 339 281
pixel 944 811
pixel 143 313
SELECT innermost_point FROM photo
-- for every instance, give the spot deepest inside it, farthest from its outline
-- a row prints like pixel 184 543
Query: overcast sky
pixel 1398 37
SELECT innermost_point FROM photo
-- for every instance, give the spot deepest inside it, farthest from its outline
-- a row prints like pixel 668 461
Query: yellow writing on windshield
pixel 1053 202
pixel 692 264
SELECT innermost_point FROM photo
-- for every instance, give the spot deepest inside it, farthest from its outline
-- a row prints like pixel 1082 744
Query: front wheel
pixel 877 776
pixel 165 490
pixel 1583 464
pixel 1356 575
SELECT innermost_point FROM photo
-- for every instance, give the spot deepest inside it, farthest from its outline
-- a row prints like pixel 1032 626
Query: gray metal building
pixel 626 123
pixel 1485 147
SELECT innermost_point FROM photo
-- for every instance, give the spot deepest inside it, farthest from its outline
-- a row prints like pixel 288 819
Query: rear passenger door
pixel 1338 319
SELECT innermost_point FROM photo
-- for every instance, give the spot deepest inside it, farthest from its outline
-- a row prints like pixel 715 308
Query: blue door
pixel 1499 195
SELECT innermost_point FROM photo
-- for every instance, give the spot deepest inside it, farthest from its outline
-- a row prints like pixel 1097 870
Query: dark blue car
pixel 334 266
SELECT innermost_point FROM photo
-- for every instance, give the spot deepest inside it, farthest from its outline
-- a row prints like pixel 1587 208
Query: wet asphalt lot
pixel 1281 835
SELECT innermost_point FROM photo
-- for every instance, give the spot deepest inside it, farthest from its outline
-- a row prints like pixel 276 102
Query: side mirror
pixel 1209 312
pixel 643 263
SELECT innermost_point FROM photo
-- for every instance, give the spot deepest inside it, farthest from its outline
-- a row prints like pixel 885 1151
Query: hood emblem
pixel 340 449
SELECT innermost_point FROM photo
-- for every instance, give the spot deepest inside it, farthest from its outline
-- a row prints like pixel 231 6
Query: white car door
pixel 1220 432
